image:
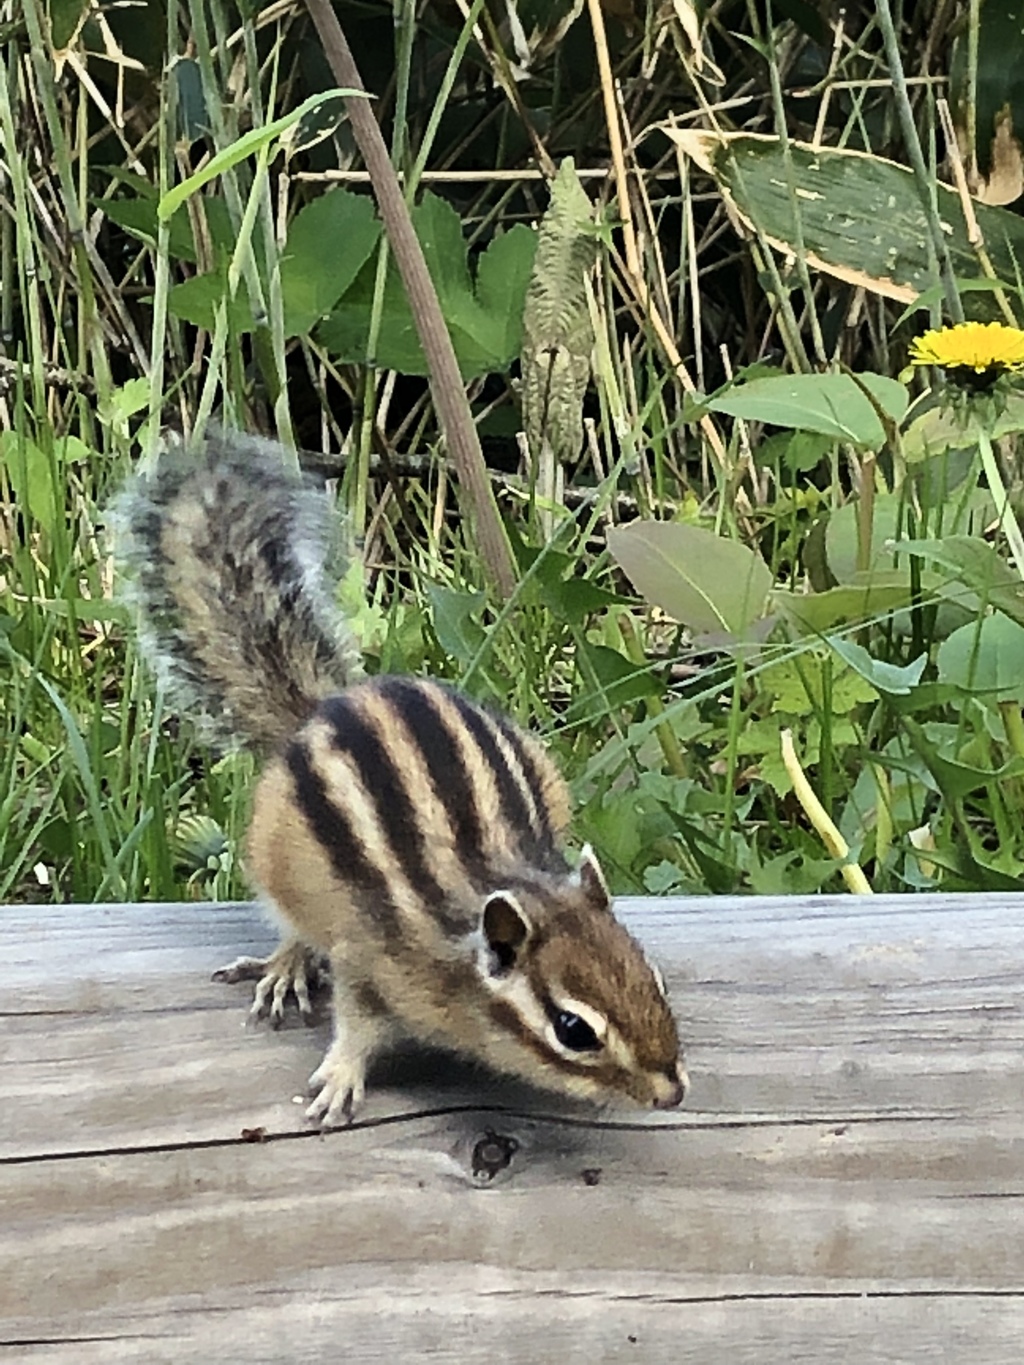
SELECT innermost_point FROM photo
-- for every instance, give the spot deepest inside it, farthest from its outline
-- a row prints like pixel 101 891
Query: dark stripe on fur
pixel 514 806
pixel 415 704
pixel 546 846
pixel 394 807
pixel 339 841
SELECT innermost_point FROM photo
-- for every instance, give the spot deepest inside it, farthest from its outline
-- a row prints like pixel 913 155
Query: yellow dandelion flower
pixel 973 354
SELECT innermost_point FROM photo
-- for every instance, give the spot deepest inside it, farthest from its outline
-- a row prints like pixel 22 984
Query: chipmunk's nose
pixel 677 1084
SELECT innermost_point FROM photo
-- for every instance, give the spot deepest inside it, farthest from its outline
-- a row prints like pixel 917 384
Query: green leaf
pixel 865 598
pixel 985 656
pixel 65 17
pixel 313 279
pixel 453 614
pixel 960 779
pixel 719 875
pixel 942 428
pixel 502 277
pixel 978 566
pixel 881 675
pixel 706 582
pixel 805 450
pixel 973 875
pixel 841 538
pixel 574 599
pixel 621 682
pixel 860 216
pixel 244 146
pixel 125 402
pixel 196 301
pixel 138 217
pixel 31 476
pixel 803 683
pixel 828 404
pixel 484 323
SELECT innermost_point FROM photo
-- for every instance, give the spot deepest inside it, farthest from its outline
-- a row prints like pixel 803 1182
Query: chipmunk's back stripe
pixel 414 702
pixel 338 840
pixel 352 735
pixel 541 824
pixel 515 804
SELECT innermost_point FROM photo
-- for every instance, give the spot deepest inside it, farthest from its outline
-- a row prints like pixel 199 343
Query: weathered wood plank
pixel 847 1181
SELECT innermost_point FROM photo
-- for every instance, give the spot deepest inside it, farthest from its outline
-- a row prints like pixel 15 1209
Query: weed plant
pixel 747 246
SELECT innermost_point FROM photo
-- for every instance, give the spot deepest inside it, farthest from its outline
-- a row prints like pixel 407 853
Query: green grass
pixel 670 738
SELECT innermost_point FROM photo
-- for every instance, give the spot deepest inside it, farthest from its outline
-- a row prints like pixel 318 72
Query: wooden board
pixel 845 1184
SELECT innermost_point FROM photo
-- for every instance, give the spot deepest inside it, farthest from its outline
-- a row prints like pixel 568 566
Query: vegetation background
pixel 682 351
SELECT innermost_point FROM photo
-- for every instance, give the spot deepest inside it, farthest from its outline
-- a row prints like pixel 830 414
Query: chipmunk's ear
pixel 506 930
pixel 591 880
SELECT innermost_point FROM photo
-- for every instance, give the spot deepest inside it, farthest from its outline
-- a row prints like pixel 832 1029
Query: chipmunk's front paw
pixel 340 1081
pixel 294 970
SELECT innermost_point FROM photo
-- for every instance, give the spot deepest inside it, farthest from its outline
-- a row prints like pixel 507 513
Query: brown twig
pixel 446 384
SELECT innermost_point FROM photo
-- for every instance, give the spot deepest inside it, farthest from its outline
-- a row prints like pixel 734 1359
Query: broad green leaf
pixel 805 450
pixel 871 598
pixel 574 599
pixel 620 682
pixel 196 301
pixel 31 476
pixel 502 276
pixel 881 675
pixel 138 217
pixel 861 217
pixel 942 428
pixel 345 332
pixel 65 17
pixel 312 278
pixel 970 873
pixel 453 614
pixel 960 779
pixel 828 404
pixel 841 537
pixel 125 402
pixel 485 322
pixel 802 683
pixel 439 229
pixel 708 583
pixel 985 656
pixel 554 582
pixel 976 564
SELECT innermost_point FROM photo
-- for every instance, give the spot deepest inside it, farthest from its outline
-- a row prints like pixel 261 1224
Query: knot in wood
pixel 491 1154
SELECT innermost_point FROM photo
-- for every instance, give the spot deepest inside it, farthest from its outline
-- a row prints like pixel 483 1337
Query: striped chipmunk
pixel 404 832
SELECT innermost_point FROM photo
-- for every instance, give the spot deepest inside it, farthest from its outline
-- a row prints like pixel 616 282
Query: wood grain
pixel 845 1184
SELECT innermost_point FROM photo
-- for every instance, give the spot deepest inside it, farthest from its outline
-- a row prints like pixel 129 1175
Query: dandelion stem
pixel 852 872
pixel 1007 521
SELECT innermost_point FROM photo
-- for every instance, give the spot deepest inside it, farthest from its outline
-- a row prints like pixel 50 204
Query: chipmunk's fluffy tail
pixel 228 552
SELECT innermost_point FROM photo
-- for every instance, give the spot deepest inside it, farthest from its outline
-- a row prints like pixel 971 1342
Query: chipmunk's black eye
pixel 574 1033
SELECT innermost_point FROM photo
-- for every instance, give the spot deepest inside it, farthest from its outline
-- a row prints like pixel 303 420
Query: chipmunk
pixel 401 830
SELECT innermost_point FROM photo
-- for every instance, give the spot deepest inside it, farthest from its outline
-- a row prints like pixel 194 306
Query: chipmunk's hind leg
pixel 294 970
